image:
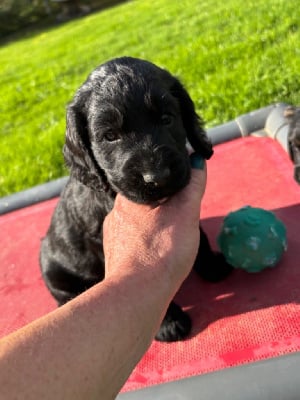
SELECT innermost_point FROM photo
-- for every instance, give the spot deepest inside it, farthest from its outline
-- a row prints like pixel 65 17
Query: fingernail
pixel 197 161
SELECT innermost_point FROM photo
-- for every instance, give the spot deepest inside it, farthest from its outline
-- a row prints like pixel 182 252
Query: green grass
pixel 233 56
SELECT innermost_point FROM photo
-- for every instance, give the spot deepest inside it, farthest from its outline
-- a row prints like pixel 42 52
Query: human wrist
pixel 151 275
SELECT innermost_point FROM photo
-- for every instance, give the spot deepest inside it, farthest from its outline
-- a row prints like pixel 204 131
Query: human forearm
pixel 87 348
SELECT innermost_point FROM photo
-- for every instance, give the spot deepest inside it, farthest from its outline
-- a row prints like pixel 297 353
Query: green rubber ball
pixel 252 239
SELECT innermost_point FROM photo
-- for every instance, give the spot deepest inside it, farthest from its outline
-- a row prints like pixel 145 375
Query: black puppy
pixel 127 130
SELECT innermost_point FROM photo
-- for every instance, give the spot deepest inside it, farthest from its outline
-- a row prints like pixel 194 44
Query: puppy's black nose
pixel 157 178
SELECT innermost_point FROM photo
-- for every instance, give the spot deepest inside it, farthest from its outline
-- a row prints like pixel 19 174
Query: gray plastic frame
pixel 272 379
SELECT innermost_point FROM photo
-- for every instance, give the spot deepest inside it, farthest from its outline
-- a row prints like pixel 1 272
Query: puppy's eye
pixel 167 119
pixel 111 136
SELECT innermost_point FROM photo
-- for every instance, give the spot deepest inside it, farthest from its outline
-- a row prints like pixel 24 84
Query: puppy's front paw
pixel 215 270
pixel 175 326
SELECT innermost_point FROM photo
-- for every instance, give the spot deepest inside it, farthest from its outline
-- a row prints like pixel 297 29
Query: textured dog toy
pixel 252 239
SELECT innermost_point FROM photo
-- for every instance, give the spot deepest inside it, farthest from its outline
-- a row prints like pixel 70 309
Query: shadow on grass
pixel 47 23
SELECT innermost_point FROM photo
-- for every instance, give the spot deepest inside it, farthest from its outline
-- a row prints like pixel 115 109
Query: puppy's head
pixel 127 129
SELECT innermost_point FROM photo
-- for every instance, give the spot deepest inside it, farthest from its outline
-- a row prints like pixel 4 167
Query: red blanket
pixel 246 318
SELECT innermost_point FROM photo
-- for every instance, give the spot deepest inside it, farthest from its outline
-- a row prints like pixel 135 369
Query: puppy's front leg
pixel 209 264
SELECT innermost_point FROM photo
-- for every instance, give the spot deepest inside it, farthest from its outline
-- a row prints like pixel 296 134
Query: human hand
pixel 167 236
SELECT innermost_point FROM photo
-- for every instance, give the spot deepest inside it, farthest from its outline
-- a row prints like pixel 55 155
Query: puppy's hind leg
pixel 175 326
pixel 210 265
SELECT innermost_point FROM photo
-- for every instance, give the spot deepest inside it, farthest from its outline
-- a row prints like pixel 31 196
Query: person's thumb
pixel 192 194
pixel 198 175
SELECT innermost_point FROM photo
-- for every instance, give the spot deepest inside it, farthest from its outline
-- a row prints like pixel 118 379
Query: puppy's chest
pixel 88 208
pixel 90 221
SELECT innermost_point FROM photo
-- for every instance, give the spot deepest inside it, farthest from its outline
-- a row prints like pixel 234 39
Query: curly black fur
pixel 127 129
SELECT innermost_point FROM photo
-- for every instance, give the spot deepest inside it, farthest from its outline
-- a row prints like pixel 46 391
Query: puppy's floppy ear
pixel 193 124
pixel 77 149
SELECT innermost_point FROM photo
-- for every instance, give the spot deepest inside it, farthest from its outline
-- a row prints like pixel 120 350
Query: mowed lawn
pixel 233 56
